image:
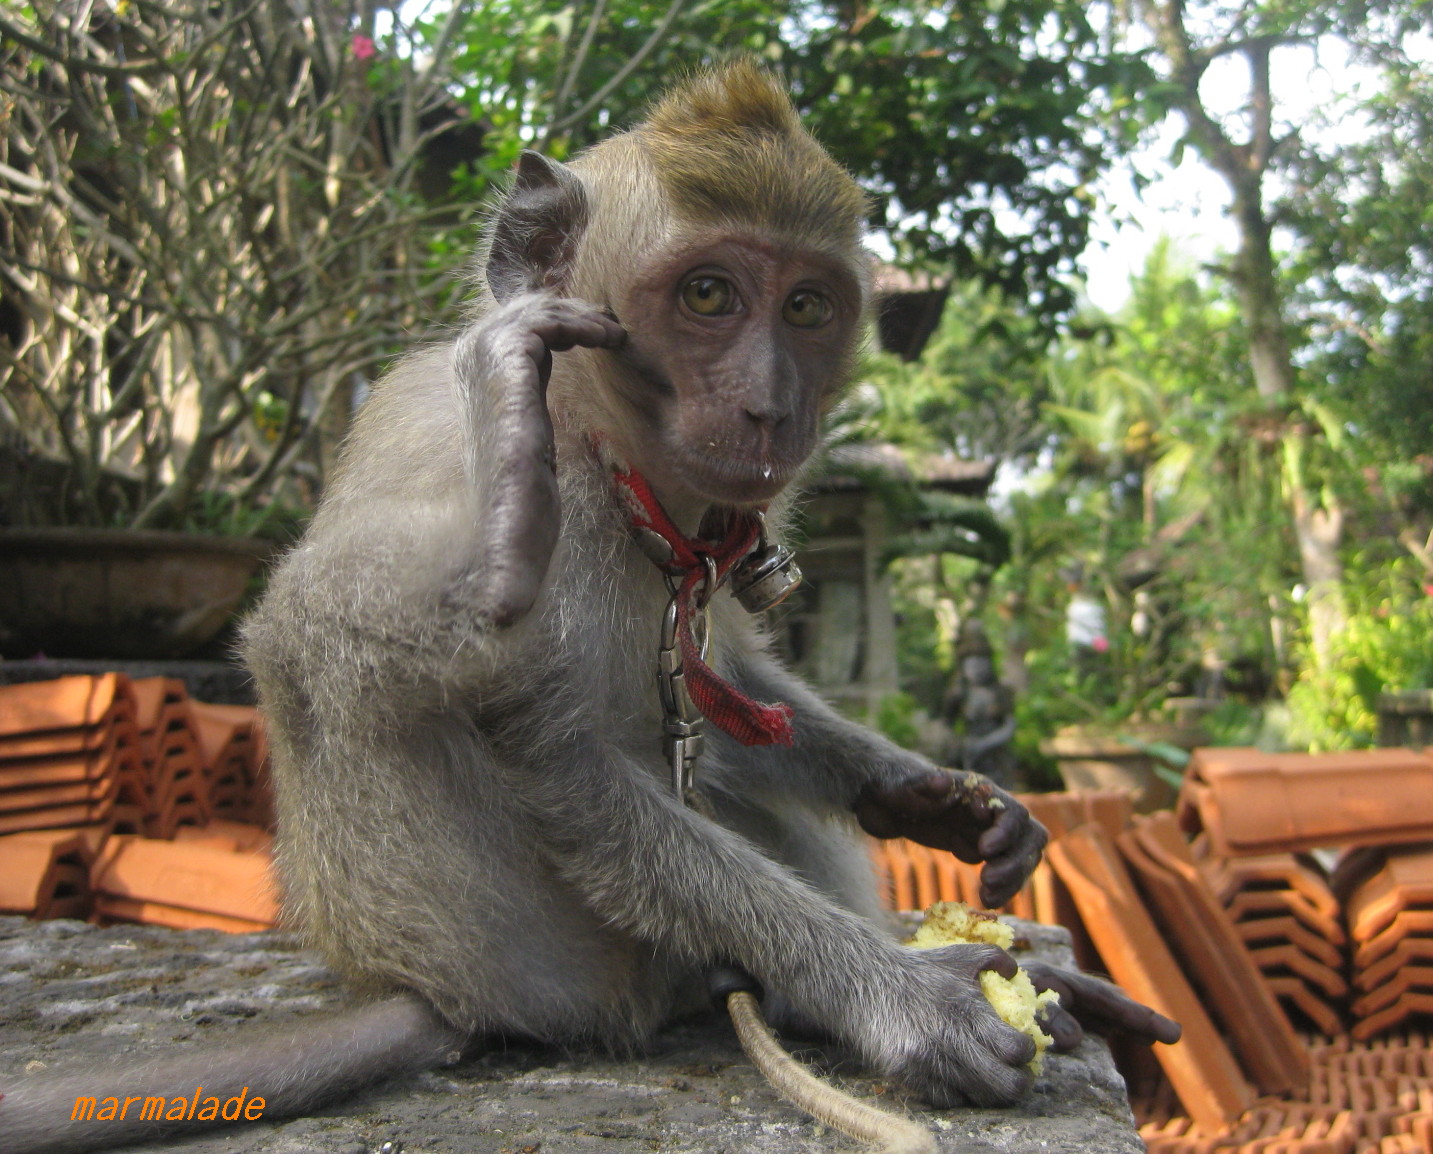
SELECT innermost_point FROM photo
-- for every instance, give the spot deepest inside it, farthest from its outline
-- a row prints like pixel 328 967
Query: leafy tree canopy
pixel 976 126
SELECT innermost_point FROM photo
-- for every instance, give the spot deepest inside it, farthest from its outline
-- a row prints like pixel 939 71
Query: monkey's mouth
pixel 738 481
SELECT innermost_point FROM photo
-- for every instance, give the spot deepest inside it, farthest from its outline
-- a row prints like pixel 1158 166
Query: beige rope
pixel 825 1103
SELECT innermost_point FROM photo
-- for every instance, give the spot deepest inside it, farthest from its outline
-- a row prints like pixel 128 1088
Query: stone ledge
pixel 72 992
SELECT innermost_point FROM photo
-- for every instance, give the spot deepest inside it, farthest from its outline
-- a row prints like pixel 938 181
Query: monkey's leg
pixel 293 1070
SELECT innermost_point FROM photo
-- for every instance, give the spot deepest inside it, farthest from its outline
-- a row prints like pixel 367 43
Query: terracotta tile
pixel 154 697
pixel 1111 809
pixel 1415 1004
pixel 82 768
pixel 93 835
pixel 1251 802
pixel 174 813
pixel 212 881
pixel 198 836
pixel 1272 872
pixel 113 909
pixel 1254 905
pixel 1215 959
pixel 1403 882
pixel 229 797
pixel 1300 996
pixel 1408 924
pixel 46 817
pixel 1415 979
pixel 1409 952
pixel 224 730
pixel 1200 1066
pixel 915 876
pixel 1275 960
pixel 1256 932
pixel 44 874
pixel 54 742
pixel 132 780
pixel 62 703
pixel 1354 867
pixel 1045 897
pixel 50 797
pixel 128 819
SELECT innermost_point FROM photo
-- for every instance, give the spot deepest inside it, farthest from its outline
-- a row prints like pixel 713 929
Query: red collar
pixel 698 566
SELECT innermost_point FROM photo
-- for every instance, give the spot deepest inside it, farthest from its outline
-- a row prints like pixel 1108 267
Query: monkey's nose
pixel 768 416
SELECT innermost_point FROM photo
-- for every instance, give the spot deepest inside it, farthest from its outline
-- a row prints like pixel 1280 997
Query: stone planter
pixel 119 593
pixel 1100 759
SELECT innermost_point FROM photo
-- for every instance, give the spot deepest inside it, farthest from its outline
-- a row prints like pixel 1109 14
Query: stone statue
pixel 980 710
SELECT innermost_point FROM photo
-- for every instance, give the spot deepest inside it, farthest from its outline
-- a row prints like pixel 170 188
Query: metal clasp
pixel 682 721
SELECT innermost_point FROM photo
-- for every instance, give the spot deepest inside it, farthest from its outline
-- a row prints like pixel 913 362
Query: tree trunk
pixel 1318 525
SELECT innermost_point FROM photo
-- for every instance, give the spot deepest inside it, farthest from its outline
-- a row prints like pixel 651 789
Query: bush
pixel 1387 647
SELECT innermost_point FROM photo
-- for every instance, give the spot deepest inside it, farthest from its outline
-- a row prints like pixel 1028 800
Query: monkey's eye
pixel 708 296
pixel 806 309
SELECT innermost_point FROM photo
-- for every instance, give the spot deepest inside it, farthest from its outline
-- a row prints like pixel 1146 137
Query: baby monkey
pixel 459 662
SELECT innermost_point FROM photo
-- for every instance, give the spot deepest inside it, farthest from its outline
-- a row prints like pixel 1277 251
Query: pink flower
pixel 364 48
pixel 1100 645
pixel 1428 588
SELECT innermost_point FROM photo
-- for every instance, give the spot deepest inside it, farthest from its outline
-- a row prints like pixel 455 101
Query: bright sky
pixel 1188 203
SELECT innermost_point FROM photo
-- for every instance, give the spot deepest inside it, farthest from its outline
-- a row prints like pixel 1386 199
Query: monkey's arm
pixel 672 877
pixel 502 363
pixel 892 791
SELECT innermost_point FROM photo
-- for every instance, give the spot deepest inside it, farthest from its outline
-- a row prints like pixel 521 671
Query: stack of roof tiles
pixel 109 791
pixel 1256 817
pixel 1222 917
pixel 1389 904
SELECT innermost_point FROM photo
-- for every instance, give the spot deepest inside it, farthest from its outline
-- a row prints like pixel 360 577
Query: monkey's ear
pixel 537 230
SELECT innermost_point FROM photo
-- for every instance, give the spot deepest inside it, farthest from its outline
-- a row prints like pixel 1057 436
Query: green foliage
pixel 937 523
pixel 977 388
pixel 222 513
pixel 1363 273
pixel 896 718
pixel 1387 647
pixel 976 127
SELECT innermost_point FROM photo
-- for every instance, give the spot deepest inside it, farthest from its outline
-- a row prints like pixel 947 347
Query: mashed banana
pixel 1014 999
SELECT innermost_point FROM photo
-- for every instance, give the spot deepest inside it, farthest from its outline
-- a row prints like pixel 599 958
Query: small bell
pixel 766 578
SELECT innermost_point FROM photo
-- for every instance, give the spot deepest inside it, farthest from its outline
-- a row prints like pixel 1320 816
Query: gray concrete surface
pixel 71 993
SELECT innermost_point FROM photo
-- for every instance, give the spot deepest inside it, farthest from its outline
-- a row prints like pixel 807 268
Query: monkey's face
pixel 736 346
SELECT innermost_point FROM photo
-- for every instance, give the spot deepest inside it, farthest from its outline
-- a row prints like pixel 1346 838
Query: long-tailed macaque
pixel 459 661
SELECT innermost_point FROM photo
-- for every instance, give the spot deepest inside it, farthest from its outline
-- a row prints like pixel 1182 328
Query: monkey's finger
pixel 1103 1006
pixel 1002 877
pixel 566 328
pixel 970 960
pixel 1064 1029
pixel 1009 822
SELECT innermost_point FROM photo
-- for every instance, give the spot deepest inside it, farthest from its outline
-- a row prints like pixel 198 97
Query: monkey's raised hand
pixel 501 365
pixel 1088 1002
pixel 965 813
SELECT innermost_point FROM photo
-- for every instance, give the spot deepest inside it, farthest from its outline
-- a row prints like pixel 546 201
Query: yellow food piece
pixel 1014 999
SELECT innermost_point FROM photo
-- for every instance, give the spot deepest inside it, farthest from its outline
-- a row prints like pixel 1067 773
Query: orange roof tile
pixel 1216 960
pixel 62 703
pixel 45 874
pixel 1251 802
pixel 212 881
pixel 1204 1073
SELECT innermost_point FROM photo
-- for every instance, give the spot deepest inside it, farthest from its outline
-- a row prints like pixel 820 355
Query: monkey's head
pixel 729 245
